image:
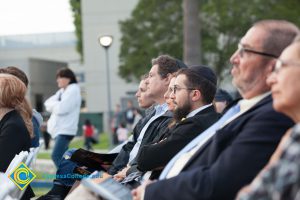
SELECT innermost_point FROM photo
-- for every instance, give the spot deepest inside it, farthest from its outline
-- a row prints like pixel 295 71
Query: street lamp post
pixel 105 41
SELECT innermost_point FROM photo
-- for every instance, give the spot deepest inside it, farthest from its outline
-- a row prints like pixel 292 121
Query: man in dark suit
pixel 192 94
pixel 219 165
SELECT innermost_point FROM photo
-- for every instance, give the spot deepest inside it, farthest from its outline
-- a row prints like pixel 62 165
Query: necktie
pixel 200 140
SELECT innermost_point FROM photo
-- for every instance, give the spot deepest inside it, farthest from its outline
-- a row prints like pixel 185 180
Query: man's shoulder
pixel 261 115
pixel 263 108
pixel 203 117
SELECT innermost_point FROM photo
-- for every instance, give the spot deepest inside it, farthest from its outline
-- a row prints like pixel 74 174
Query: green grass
pixel 79 143
pixel 40 191
pixel 44 155
pixel 103 142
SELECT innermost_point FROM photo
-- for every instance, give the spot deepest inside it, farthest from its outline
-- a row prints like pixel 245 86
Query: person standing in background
pixel 115 122
pixel 129 115
pixel 88 132
pixel 137 116
pixel 222 100
pixel 122 133
pixel 64 107
pixel 46 135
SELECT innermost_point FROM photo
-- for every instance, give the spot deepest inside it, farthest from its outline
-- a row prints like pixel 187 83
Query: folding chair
pixel 10 190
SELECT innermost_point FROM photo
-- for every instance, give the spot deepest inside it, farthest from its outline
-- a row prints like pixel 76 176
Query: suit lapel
pixel 204 146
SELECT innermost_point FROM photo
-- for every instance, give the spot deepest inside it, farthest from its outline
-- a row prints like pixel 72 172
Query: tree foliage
pixel 155 27
pixel 76 9
pixel 228 20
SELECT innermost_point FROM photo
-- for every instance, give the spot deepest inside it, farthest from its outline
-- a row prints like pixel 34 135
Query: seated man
pixel 280 179
pixel 222 100
pixel 192 94
pixel 242 141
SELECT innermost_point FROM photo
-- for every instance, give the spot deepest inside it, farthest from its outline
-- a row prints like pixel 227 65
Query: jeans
pixel 60 147
pixel 66 166
pixel 88 143
pixel 66 170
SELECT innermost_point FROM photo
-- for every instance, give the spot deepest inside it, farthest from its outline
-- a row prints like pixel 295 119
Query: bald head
pixel 280 34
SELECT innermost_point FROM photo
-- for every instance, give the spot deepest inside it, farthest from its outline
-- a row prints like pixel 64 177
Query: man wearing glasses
pixel 192 94
pixel 241 142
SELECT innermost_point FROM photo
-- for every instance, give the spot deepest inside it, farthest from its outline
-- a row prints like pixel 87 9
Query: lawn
pixel 78 142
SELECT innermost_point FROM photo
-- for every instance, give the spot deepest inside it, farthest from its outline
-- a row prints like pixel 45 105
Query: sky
pixel 35 16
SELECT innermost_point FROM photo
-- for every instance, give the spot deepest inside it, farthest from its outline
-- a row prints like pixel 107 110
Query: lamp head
pixel 105 40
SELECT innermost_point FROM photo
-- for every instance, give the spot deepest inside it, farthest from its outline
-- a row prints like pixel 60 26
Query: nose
pixel 137 94
pixel 172 95
pixel 272 79
pixel 234 57
pixel 166 95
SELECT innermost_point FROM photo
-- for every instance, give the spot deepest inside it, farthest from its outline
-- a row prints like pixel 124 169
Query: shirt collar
pixel 159 109
pixel 194 112
pixel 246 104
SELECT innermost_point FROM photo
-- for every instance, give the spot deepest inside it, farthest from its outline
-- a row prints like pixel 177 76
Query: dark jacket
pixel 157 127
pixel 179 136
pixel 229 160
pixel 14 138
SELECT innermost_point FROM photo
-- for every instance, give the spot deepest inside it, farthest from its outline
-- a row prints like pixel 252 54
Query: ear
pixel 196 95
pixel 168 79
pixel 270 67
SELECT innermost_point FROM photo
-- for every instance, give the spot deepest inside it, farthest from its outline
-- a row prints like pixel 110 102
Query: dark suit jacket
pixel 229 160
pixel 14 138
pixel 155 128
pixel 180 135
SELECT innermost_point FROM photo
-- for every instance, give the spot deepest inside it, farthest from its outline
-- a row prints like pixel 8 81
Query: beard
pixel 181 112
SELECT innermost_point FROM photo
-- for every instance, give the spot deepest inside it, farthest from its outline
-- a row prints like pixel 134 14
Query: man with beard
pixel 192 94
pixel 240 144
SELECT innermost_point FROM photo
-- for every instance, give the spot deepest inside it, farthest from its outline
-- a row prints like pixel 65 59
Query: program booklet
pixel 107 188
pixel 99 161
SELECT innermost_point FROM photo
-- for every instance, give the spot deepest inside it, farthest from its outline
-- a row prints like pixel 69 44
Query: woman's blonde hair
pixel 12 95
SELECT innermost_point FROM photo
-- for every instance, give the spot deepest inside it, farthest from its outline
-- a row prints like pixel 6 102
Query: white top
pixel 64 113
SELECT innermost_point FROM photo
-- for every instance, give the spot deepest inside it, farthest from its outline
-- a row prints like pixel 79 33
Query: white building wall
pixel 39 56
pixel 101 17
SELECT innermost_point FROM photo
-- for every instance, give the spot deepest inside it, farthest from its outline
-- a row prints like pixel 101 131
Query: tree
pixel 76 9
pixel 227 20
pixel 155 27
pixel 191 32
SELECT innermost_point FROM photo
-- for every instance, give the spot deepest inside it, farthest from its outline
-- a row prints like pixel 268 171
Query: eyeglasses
pixel 282 64
pixel 177 88
pixel 242 50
